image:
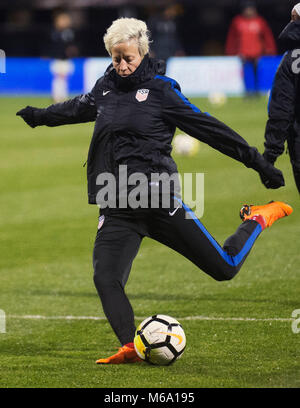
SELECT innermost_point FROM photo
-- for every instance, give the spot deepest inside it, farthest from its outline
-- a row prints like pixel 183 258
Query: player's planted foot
pixel 265 214
pixel 126 354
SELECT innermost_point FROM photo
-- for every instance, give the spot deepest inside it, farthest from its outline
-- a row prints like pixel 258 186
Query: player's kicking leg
pixel 190 238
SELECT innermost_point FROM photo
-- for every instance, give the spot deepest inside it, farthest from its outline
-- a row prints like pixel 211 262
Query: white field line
pixel 209 318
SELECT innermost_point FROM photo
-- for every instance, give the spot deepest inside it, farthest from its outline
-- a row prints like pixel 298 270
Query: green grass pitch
pixel 47 235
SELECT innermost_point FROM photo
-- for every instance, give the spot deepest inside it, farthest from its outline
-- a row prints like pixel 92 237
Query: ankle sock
pixel 260 219
pixel 130 345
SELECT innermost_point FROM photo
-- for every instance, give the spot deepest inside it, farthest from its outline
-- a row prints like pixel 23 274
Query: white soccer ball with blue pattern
pixel 160 340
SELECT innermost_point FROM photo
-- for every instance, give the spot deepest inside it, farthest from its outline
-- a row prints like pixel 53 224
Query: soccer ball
pixel 185 145
pixel 160 340
pixel 217 98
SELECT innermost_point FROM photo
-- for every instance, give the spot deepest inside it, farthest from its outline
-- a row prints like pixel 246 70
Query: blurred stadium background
pixel 197 29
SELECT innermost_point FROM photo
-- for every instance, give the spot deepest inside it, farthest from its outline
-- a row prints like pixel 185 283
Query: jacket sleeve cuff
pixel 260 164
pixel 271 158
pixel 39 117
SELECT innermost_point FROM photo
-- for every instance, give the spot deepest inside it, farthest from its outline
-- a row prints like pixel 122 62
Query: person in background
pixel 250 37
pixel 164 30
pixel 284 103
pixel 62 48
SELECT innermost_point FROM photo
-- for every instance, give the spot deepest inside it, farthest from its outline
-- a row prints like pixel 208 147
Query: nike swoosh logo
pixel 105 93
pixel 180 338
pixel 173 212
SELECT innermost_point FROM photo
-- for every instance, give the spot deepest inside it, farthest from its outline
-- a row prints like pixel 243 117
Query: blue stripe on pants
pixel 229 259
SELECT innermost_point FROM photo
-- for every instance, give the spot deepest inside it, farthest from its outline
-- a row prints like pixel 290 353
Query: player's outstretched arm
pixel 77 110
pixel 179 111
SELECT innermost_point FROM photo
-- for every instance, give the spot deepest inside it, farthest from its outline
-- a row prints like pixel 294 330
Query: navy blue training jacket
pixel 135 121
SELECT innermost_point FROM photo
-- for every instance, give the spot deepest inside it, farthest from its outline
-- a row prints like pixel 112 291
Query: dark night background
pixel 202 25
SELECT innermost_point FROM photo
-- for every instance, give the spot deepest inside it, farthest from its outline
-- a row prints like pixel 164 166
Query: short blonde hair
pixel 126 29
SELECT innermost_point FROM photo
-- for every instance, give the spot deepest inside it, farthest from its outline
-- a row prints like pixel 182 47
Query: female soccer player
pixel 137 109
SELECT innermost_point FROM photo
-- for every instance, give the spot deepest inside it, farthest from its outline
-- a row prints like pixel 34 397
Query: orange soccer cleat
pixel 126 354
pixel 265 214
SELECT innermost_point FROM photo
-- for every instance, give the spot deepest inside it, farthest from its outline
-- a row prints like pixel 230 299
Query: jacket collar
pixel 290 35
pixel 148 68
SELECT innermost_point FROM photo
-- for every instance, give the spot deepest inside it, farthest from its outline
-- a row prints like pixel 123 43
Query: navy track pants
pixel 118 241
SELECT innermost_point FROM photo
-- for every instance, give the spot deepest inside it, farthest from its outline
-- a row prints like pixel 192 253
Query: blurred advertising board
pixel 197 76
pixel 204 75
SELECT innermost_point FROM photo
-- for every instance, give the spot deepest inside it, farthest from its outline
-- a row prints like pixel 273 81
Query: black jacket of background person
pixel 139 133
pixel 284 103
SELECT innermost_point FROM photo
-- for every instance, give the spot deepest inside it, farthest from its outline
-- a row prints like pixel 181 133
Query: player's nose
pixel 123 65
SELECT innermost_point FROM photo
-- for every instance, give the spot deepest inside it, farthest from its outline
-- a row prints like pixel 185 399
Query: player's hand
pixel 272 178
pixel 28 115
